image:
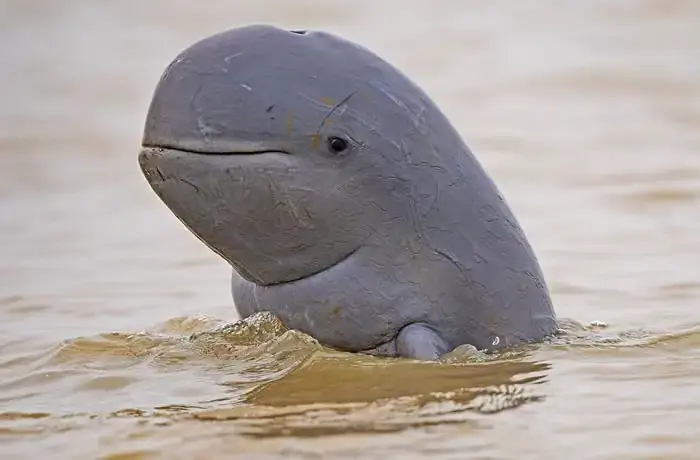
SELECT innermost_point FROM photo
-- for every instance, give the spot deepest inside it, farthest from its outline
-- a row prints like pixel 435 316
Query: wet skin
pixel 345 201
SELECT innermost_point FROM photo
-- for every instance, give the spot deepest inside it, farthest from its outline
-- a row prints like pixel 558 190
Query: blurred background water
pixel 113 336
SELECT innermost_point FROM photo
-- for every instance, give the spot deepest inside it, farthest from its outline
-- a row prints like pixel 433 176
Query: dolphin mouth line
pixel 234 153
pixel 196 151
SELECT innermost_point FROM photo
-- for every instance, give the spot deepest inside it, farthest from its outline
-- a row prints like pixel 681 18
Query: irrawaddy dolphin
pixel 345 201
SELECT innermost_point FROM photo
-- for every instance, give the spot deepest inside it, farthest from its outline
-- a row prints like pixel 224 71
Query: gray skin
pixel 398 245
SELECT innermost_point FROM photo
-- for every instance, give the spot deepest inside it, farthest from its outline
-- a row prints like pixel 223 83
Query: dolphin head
pixel 280 149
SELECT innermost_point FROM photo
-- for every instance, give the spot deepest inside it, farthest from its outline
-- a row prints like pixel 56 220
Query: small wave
pixel 270 381
pixel 596 334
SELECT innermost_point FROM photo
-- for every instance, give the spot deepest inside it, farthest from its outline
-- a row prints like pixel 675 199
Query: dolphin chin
pixel 321 270
pixel 252 207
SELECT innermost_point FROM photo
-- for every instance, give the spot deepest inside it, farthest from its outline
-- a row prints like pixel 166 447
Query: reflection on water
pixel 117 335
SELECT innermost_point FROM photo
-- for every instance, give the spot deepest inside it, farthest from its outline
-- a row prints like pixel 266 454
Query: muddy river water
pixel 116 335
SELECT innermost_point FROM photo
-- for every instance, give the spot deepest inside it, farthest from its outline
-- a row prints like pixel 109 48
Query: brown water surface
pixel 113 336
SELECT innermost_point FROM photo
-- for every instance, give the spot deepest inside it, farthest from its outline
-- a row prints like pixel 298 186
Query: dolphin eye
pixel 337 144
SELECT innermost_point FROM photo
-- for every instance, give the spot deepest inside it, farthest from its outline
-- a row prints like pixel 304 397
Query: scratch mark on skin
pixel 430 165
pixel 202 125
pixel 336 107
pixel 416 116
pixel 325 102
pixel 194 98
pixel 316 102
pixel 160 174
pixel 330 193
pixel 230 58
pixel 454 262
pixel 185 181
pixel 298 217
pixel 205 129
pixel 391 97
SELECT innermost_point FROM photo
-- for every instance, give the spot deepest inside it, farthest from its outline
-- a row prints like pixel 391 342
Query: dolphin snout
pixel 149 165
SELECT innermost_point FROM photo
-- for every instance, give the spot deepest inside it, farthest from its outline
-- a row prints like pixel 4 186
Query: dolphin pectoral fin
pixel 420 341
